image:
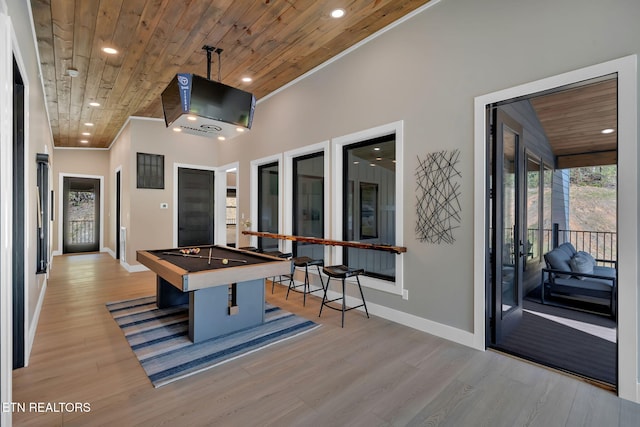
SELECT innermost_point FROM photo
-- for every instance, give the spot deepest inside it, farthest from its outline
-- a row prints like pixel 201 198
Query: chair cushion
pixel 604 271
pixel 588 284
pixel 581 263
pixel 558 259
pixel 588 256
pixel 568 248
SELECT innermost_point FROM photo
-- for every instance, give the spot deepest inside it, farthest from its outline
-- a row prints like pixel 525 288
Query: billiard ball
pixel 225 261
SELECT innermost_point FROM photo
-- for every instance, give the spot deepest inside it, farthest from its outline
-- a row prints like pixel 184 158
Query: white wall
pixel 427 72
pixel 17 39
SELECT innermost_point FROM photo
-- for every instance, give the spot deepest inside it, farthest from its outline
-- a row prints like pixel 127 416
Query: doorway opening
pixel 81 215
pixel 532 142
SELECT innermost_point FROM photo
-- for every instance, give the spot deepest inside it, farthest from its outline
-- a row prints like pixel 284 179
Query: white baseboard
pixel 138 268
pixel 425 325
pixel 109 251
pixel 33 325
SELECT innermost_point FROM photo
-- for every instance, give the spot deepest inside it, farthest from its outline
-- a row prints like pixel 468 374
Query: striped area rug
pixel 159 338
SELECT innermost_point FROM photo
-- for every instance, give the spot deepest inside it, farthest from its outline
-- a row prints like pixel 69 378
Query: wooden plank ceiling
pixel 574 118
pixel 271 41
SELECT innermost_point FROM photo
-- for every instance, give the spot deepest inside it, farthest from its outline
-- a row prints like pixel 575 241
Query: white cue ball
pixel 225 261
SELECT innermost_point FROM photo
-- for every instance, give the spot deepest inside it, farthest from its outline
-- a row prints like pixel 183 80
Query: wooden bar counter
pixel 320 241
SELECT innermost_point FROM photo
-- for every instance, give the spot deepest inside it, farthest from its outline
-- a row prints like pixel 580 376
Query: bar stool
pixel 278 254
pixel 305 261
pixel 342 272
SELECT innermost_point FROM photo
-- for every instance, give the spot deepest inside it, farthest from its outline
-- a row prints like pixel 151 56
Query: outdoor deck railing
pixel 81 231
pixel 600 244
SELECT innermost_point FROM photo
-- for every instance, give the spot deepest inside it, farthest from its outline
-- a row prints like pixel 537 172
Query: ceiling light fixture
pixel 177 130
pixel 86 134
pixel 94 104
pixel 88 124
pixel 109 50
pixel 192 118
pixel 607 131
pixel 337 13
pixel 239 129
pixel 72 72
pixel 247 79
pixel 84 141
pixel 221 138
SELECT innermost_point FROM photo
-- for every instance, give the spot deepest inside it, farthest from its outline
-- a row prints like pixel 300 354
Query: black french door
pixel 81 215
pixel 507 230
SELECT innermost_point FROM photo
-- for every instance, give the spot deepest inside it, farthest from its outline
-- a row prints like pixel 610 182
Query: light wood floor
pixel 371 373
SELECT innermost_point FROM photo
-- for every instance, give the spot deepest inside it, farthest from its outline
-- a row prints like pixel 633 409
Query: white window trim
pixel 253 210
pixel 628 253
pixel 6 221
pixel 287 210
pixel 337 145
pixel 220 202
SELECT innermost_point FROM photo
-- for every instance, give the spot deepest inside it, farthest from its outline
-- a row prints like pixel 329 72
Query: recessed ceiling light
pixel 372 164
pixel 239 129
pixel 94 104
pixel 86 133
pixel 84 141
pixel 247 79
pixel 72 72
pixel 109 50
pixel 177 130
pixel 337 13
pixel 88 124
pixel 607 131
pixel 378 158
pixel 221 138
pixel 356 162
pixel 192 118
pixel 376 149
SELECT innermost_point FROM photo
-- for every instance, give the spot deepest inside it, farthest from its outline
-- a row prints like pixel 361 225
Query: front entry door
pixel 508 239
pixel 81 211
pixel 195 207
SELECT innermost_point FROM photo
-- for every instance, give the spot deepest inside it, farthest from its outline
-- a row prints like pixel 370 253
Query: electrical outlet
pixel 405 294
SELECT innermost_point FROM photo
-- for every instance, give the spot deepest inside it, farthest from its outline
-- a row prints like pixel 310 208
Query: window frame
pixel 337 144
pixel 253 213
pixel 287 205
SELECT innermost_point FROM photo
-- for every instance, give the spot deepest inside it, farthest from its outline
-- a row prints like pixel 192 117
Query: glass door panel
pixel 532 244
pixel 268 205
pixel 510 271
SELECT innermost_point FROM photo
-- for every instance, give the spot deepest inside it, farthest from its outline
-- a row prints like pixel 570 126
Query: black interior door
pixel 18 219
pixel 81 215
pixel 195 207
pixel 118 225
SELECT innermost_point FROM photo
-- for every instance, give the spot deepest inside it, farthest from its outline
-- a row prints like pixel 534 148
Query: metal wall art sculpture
pixel 438 197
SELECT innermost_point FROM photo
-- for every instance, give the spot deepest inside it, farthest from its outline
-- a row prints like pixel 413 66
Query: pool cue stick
pixel 209 256
pixel 200 256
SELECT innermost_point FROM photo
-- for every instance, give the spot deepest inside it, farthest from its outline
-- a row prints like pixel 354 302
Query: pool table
pixel 223 287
